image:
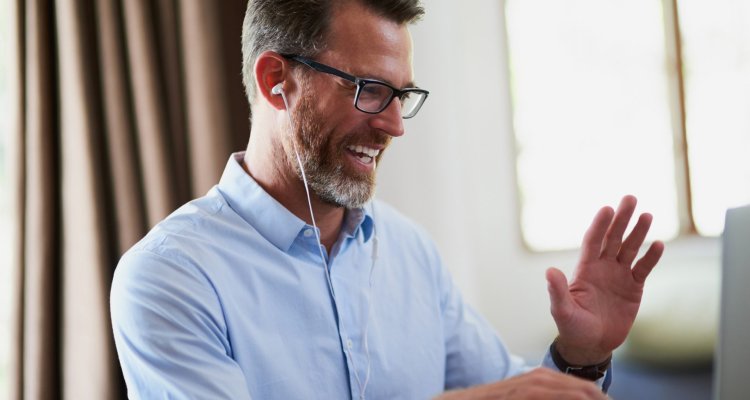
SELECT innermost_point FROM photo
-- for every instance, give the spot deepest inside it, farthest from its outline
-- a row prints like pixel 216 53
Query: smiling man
pixel 288 281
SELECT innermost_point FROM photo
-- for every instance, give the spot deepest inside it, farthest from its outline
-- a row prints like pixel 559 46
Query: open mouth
pixel 363 154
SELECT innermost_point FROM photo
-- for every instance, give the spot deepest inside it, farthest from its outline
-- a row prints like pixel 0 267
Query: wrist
pixel 588 365
pixel 580 355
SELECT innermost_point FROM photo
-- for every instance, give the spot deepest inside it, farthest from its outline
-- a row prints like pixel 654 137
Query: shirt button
pixel 349 343
pixel 308 232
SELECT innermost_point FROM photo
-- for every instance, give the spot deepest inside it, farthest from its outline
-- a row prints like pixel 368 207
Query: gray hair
pixel 299 27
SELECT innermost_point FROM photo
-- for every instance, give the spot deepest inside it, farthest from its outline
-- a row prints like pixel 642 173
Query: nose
pixel 389 120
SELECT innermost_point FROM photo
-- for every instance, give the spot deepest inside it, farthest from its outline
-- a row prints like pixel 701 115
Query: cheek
pixel 340 129
pixel 333 122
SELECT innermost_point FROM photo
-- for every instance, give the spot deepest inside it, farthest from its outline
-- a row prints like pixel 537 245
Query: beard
pixel 323 157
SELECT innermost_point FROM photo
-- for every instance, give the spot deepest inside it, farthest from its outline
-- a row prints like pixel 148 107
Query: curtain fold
pixel 147 77
pixel 38 215
pixel 126 110
pixel 125 169
pixel 86 241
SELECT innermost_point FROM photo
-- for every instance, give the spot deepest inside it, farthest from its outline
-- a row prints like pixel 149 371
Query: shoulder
pixel 173 248
pixel 162 280
pixel 185 234
pixel 195 216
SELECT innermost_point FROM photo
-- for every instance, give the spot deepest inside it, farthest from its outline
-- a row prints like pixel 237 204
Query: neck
pixel 277 179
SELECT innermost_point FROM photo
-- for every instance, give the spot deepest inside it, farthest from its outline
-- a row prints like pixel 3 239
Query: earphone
pixel 278 90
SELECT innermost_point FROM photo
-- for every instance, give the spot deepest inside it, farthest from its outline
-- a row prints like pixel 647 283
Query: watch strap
pixel 588 372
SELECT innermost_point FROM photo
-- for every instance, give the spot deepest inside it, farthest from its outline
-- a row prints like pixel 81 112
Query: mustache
pixel 367 137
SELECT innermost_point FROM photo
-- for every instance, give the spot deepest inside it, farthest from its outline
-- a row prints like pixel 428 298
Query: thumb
pixel 561 304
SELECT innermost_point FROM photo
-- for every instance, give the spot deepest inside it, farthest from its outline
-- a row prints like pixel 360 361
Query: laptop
pixel 732 360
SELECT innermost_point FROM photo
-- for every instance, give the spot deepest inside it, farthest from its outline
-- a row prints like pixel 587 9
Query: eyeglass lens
pixel 374 97
pixel 410 103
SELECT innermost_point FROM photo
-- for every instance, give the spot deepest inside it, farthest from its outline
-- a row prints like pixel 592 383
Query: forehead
pixel 366 44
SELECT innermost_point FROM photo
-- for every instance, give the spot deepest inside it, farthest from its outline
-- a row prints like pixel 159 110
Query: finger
pixel 548 379
pixel 588 391
pixel 561 304
pixel 576 388
pixel 632 244
pixel 562 386
pixel 647 263
pixel 555 393
pixel 592 241
pixel 613 237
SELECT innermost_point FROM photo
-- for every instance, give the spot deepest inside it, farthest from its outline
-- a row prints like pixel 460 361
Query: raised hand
pixel 596 311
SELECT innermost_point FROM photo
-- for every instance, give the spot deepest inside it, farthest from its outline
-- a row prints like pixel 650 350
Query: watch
pixel 588 372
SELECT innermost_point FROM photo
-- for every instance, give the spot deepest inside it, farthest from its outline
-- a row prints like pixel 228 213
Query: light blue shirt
pixel 227 298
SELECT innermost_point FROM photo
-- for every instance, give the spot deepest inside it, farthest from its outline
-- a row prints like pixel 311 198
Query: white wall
pixel 453 172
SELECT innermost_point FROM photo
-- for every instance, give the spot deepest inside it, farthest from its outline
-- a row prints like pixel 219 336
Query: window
pixel 605 99
pixel 5 214
pixel 716 56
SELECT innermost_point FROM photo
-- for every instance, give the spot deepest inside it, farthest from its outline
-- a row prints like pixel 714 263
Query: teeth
pixel 364 150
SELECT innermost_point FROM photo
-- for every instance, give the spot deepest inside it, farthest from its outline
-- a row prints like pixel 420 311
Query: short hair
pixel 299 27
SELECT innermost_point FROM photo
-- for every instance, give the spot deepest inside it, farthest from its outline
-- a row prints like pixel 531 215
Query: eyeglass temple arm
pixel 321 67
pixel 333 71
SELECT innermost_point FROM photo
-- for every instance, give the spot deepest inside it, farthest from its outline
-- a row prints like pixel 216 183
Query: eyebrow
pixel 409 84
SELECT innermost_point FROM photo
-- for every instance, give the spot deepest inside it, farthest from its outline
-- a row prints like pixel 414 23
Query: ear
pixel 270 70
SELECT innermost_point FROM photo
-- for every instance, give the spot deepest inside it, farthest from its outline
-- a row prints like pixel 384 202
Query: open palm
pixel 596 311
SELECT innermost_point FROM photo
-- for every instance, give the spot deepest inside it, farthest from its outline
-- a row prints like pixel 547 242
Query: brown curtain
pixel 126 110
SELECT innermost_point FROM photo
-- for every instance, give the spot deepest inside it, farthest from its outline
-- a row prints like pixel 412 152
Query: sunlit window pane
pixel 591 114
pixel 716 55
pixel 5 196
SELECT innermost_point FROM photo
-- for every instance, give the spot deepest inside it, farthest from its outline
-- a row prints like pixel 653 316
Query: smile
pixel 363 153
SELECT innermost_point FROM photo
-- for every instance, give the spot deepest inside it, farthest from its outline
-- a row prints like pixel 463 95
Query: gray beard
pixel 332 185
pixel 326 176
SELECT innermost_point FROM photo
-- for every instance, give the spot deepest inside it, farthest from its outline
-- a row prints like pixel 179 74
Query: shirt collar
pixel 271 219
pixel 358 218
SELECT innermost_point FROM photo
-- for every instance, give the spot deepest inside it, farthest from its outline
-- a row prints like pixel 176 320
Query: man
pixel 286 281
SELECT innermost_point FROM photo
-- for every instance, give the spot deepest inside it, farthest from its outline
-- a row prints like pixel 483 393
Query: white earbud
pixel 278 89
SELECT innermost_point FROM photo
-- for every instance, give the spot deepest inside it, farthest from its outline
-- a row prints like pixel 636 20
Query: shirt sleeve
pixel 475 354
pixel 170 333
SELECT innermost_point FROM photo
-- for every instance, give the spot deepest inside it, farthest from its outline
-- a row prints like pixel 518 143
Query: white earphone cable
pixel 307 192
pixel 362 387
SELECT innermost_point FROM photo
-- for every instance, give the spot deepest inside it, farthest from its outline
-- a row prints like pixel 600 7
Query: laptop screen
pixel 732 379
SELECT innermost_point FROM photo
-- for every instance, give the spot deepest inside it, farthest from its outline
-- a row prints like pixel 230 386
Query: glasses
pixel 373 96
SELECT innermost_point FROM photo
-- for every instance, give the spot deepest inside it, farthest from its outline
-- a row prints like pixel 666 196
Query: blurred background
pixel 113 113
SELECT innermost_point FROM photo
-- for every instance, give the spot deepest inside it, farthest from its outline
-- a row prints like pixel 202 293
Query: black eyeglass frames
pixel 372 96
